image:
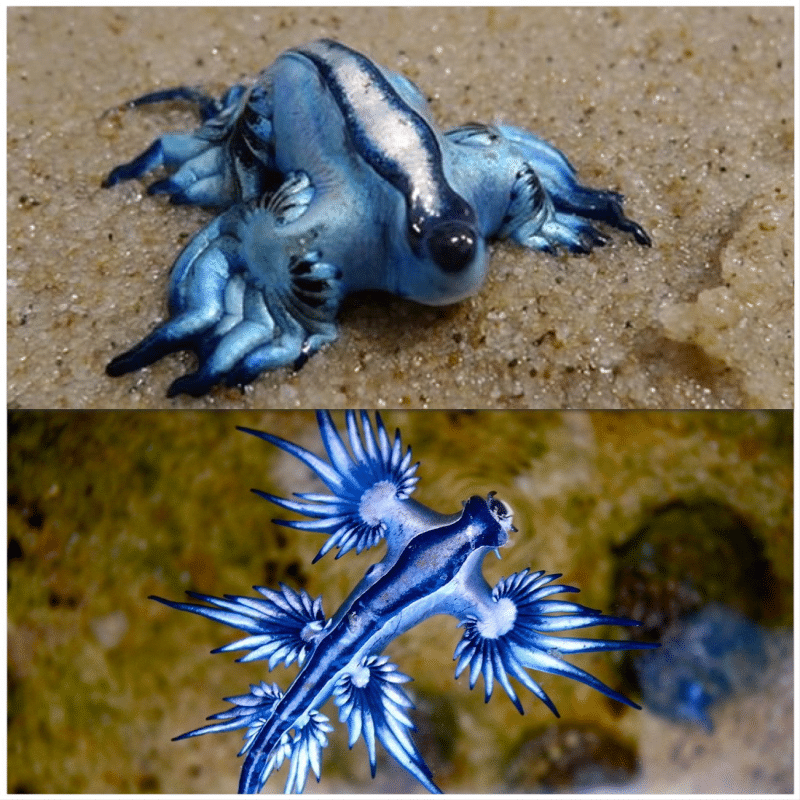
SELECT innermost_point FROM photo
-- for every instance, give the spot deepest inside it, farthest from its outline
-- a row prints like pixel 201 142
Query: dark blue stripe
pixel 388 168
pixel 445 203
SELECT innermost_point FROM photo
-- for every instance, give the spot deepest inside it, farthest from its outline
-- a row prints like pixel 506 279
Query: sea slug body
pixel 331 177
pixel 432 565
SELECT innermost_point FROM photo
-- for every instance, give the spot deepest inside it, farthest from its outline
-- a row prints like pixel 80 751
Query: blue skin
pixel 333 178
pixel 432 565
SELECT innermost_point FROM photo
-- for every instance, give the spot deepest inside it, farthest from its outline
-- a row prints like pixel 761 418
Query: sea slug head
pixel 449 255
pixel 502 512
pixel 490 521
pixel 452 245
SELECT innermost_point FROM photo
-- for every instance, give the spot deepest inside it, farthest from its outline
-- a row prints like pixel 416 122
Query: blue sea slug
pixel 432 565
pixel 331 177
pixel 705 658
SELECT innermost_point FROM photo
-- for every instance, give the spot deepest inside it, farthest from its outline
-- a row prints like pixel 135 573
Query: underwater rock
pixel 689 554
pixel 568 756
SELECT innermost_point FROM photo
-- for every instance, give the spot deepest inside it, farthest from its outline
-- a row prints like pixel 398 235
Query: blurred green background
pixel 106 508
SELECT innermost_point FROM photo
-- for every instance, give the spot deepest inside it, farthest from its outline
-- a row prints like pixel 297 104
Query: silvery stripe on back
pixel 396 141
